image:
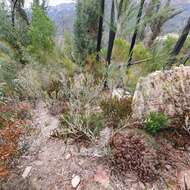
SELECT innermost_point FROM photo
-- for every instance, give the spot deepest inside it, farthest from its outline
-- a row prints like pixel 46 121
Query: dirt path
pixel 50 164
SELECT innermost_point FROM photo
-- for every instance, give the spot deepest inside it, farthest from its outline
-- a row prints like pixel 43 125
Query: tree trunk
pixel 180 43
pixel 135 32
pixel 13 7
pixel 112 34
pixel 181 39
pixel 100 30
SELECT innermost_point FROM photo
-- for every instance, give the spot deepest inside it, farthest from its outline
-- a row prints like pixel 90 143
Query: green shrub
pixel 85 29
pixel 155 122
pixel 92 66
pixel 140 52
pixel 120 50
pixel 41 32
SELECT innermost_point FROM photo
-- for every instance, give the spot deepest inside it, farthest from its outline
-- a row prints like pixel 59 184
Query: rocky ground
pixel 51 163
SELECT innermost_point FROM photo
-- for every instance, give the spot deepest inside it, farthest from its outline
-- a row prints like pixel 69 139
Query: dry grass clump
pixel 132 154
pixel 116 110
pixel 82 118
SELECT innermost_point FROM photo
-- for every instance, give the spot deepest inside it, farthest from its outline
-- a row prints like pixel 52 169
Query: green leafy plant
pixel 85 28
pixel 155 122
pixel 41 32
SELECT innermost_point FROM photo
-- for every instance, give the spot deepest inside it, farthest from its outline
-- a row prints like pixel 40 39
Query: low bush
pixel 11 124
pixel 131 153
pixel 83 118
pixel 116 110
pixel 155 122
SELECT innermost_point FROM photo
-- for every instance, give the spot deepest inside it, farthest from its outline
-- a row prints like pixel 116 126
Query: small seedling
pixel 155 122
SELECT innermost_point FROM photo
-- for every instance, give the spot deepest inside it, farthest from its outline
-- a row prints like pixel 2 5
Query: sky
pixel 51 2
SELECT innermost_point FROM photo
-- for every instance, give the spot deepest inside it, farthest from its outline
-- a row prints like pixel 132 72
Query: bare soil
pixel 54 163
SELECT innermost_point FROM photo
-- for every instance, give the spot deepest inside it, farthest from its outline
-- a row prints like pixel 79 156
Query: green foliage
pixel 85 28
pixel 41 32
pixel 155 121
pixel 115 110
pixel 8 68
pixel 140 52
pixel 68 45
pixel 16 37
pixel 94 67
pixel 121 50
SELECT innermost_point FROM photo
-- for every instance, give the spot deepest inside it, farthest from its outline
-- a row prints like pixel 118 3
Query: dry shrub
pixel 132 154
pixel 10 132
pixel 58 107
pixel 82 118
pixel 115 110
pixel 179 138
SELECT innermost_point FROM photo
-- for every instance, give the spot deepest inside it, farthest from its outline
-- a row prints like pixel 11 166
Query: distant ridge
pixel 63 16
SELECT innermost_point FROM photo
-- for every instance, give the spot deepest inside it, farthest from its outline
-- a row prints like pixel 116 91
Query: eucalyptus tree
pixel 86 29
pixel 17 6
pixel 157 14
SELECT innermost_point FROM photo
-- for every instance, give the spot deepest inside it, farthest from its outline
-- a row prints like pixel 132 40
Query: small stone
pixel 184 177
pixel 75 181
pixel 27 172
pixel 38 163
pixel 102 177
pixel 141 185
pixel 68 156
pixel 168 167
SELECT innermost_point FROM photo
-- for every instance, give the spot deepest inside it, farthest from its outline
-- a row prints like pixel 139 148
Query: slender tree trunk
pixel 181 39
pixel 180 43
pixel 100 30
pixel 20 9
pixel 13 7
pixel 120 8
pixel 135 32
pixel 112 34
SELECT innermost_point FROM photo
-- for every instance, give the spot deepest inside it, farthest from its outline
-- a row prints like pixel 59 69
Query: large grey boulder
pixel 163 91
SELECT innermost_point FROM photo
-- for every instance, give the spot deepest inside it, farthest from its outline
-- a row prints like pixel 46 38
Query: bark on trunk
pixel 13 8
pixel 100 30
pixel 112 34
pixel 135 32
pixel 179 44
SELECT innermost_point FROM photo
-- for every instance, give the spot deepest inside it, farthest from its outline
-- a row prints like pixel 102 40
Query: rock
pixel 27 172
pixel 102 177
pixel 38 163
pixel 184 177
pixel 67 156
pixel 120 93
pixel 75 181
pixel 141 185
pixel 105 135
pixel 162 91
